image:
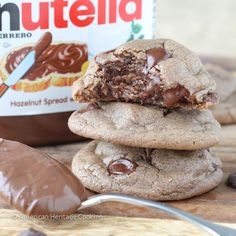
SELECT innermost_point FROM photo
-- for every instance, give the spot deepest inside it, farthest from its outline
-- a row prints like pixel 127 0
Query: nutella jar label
pixel 80 29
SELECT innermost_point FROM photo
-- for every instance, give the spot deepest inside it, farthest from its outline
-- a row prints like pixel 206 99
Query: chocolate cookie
pixel 225 111
pixel 148 173
pixel 149 127
pixel 158 71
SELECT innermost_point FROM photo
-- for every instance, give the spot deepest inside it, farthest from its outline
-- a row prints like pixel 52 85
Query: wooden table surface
pixel 218 205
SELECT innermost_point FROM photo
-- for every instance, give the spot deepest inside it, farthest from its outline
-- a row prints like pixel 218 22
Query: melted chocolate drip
pixel 58 58
pixel 122 167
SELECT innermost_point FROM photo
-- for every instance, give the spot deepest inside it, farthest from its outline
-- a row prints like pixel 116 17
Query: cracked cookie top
pixel 146 126
pixel 159 72
pixel 168 175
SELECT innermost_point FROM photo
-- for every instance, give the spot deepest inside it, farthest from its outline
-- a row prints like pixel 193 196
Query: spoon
pixel 209 227
pixel 36 184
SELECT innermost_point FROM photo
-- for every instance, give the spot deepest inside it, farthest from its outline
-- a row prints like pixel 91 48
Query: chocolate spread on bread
pixel 57 58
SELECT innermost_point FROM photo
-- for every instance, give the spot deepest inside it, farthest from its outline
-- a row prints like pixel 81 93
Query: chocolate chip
pixel 122 167
pixel 31 232
pixel 166 112
pixel 231 180
pixel 155 55
pixel 173 95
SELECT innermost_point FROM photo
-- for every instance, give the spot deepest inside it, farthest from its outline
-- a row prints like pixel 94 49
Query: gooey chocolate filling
pixel 129 80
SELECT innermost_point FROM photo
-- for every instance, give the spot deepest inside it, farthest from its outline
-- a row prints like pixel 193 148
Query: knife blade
pixel 21 69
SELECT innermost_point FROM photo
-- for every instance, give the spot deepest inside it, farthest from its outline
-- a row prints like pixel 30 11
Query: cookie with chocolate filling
pixel 141 126
pixel 225 111
pixel 149 173
pixel 158 71
pixel 59 65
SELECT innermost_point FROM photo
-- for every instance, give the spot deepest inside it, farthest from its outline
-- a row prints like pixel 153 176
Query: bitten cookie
pixel 225 111
pixel 158 71
pixel 59 65
pixel 149 127
pixel 148 173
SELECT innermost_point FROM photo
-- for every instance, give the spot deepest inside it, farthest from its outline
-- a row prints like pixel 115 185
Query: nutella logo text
pixel 80 13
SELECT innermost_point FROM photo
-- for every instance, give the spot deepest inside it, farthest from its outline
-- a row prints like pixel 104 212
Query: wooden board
pixel 12 222
pixel 217 205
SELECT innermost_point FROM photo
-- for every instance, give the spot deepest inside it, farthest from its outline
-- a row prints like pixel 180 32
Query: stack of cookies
pixel 148 115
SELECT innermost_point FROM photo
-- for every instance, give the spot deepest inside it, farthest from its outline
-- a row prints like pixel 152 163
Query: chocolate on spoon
pixel 36 184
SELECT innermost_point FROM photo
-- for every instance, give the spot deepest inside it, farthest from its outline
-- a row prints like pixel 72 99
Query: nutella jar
pixel 35 109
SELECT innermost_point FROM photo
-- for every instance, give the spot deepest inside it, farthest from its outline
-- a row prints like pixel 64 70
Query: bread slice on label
pixel 147 126
pixel 148 173
pixel 59 65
